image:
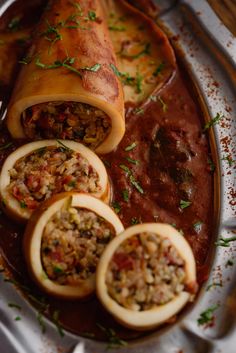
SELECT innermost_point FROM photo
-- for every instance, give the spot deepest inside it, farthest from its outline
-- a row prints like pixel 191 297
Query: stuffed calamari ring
pixel 146 275
pixel 64 240
pixel 67 88
pixel 38 170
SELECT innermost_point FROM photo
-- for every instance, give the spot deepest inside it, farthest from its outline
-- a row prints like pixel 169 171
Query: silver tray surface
pixel 210 56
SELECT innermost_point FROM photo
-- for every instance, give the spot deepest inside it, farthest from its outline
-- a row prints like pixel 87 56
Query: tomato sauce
pixel 159 173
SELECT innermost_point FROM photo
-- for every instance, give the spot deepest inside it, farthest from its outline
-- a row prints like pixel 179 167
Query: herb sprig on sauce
pixel 207 316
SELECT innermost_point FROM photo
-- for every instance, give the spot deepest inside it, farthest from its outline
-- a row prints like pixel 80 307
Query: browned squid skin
pixel 88 42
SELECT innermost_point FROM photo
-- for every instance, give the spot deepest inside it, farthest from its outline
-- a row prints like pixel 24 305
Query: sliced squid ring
pixel 143 306
pixel 21 197
pixel 78 222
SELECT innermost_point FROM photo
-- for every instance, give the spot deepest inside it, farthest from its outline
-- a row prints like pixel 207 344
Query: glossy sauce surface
pixel 160 172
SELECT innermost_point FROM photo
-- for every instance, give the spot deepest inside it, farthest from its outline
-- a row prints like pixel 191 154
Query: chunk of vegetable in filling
pixel 145 271
pixel 50 170
pixel 72 243
pixel 67 120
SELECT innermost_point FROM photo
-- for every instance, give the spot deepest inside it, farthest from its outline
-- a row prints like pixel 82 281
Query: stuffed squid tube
pixel 68 87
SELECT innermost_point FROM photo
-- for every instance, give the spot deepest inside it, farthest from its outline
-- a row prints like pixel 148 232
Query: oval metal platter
pixel 208 51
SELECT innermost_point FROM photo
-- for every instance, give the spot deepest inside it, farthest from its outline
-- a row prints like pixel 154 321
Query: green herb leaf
pixel 197 226
pixel 131 147
pixel 41 322
pixel 116 206
pixel 125 194
pixel 113 340
pixel 230 262
pixel 229 160
pixel 55 319
pixel 213 121
pixel 144 51
pixel 67 62
pixel 115 70
pixel 211 165
pixel 206 317
pixel 64 146
pixel 23 204
pixel 163 104
pixel 225 242
pixel 133 161
pixel 139 80
pixel 138 111
pixel 93 68
pixel 158 69
pixel 184 204
pixel 153 98
pixel 17 318
pixel 14 24
pixel 125 168
pixel 117 28
pixel 6 146
pixel 14 305
pixel 135 220
pixel 136 184
pixel 92 15
pixel 213 285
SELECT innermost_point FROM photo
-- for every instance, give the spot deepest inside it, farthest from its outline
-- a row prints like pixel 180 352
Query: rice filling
pixel 72 243
pixel 145 271
pixel 67 120
pixel 50 170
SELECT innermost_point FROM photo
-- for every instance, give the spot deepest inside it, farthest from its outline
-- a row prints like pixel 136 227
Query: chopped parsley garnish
pixel 207 316
pixel 134 221
pixel 144 51
pixel 136 184
pixel 197 226
pixel 41 322
pixel 14 24
pixel 125 194
pixel 92 15
pixel 51 34
pixel 65 148
pixel 158 69
pixel 163 104
pixel 23 204
pixel 26 60
pixel 93 68
pixel 153 98
pixel 15 306
pixel 139 80
pixel 138 111
pixel 17 318
pixel 211 165
pixel 184 204
pixel 229 263
pixel 125 168
pixel 116 206
pixel 132 179
pixel 6 146
pixel 229 160
pixel 131 147
pixel 67 63
pixel 225 242
pixel 57 270
pixel 213 285
pixel 72 183
pixel 133 161
pixel 213 121
pixel 117 28
pixel 114 341
pixel 115 70
pixel 55 319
